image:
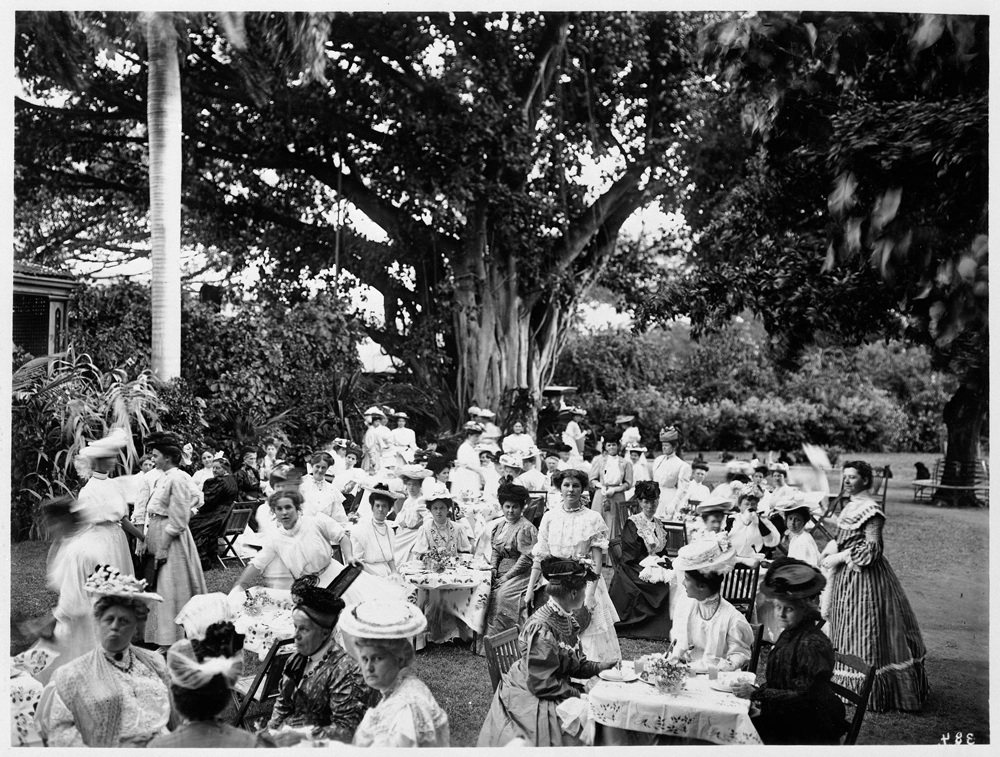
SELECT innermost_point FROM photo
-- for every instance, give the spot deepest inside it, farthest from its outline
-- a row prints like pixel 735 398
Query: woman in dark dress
pixel 797 704
pixel 644 608
pixel 207 524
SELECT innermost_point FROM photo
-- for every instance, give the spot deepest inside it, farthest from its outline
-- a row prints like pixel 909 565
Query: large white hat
pixel 374 411
pixel 512 461
pixel 486 413
pixel 382 619
pixel 414 472
pixel 107 581
pixel 109 446
pixel 715 503
pixel 473 426
pixel 437 491
pixel 711 554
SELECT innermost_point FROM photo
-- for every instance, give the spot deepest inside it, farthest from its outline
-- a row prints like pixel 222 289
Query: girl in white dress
pixel 372 539
pixel 322 496
pixel 573 530
pixel 465 476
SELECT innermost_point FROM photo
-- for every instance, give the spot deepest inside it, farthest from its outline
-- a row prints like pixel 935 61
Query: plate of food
pixel 726 681
pixel 623 675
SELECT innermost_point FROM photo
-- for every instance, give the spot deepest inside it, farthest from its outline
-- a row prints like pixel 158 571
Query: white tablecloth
pixel 268 621
pixel 462 593
pixel 697 712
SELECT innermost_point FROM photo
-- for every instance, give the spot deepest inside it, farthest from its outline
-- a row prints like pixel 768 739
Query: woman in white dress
pixel 412 513
pixel 404 438
pixel 517 440
pixel 100 507
pixel 302 542
pixel 465 476
pixel 705 623
pixel 322 496
pixel 204 473
pixel 573 435
pixel 372 539
pixel 575 531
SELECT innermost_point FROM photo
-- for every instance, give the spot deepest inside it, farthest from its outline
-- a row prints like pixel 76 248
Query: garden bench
pixel 924 488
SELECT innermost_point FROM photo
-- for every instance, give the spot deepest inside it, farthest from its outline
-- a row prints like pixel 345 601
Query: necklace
pixel 385 533
pixel 116 658
pixel 572 509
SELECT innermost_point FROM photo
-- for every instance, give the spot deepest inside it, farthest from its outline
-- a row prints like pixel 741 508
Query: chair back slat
pixel 676 536
pixel 857 698
pixel 739 588
pixel 501 652
pixel 758 636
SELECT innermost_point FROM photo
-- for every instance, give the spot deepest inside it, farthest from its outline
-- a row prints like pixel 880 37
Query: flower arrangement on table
pixel 437 560
pixel 668 675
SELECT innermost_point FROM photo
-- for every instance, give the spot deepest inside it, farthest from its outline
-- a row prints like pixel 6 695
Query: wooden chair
pixel 758 636
pixel 739 588
pixel 236 523
pixel 263 685
pixel 535 508
pixel 501 652
pixel 858 698
pixel 677 536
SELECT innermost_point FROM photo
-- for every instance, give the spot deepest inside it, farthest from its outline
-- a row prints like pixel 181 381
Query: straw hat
pixel 414 472
pixel 401 414
pixel 107 581
pixel 512 461
pixel 381 490
pixel 484 413
pixel 635 448
pixel 474 410
pixel 715 503
pixel 779 468
pixel 794 501
pixel 109 446
pixel 714 554
pixel 437 491
pixel 382 619
pixel 339 443
pixel 374 412
pixel 788 578
pixel 624 418
pixel 473 426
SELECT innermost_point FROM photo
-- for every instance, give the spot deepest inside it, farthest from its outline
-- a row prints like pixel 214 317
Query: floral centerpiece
pixel 668 675
pixel 437 561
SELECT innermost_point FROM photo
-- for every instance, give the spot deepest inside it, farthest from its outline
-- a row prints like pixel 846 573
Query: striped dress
pixel 870 616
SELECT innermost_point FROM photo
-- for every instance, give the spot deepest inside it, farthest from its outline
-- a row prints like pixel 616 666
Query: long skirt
pixel 643 608
pixel 206 528
pixel 108 540
pixel 177 581
pixel 516 713
pixel 505 609
pixel 870 617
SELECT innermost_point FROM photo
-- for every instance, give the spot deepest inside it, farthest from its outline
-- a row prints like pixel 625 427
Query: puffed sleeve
pixel 180 497
pixel 541 548
pixel 628 479
pixel 633 547
pixel 422 545
pixel 601 534
pixel 332 531
pixel 357 546
pixel 412 517
pixel 865 552
pixel 263 558
pixel 739 641
pixel 525 539
pixel 545 679
pixel 59 724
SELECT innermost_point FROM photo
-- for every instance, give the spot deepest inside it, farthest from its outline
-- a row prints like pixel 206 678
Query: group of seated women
pixel 121 695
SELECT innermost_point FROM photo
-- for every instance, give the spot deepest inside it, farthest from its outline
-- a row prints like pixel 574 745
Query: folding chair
pixel 536 507
pixel 866 673
pixel 739 588
pixel 236 523
pixel 758 636
pixel 501 652
pixel 262 686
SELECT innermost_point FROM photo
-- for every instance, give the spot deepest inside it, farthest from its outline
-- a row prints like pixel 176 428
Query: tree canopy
pixel 472 141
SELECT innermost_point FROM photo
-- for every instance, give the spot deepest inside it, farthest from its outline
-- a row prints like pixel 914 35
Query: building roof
pixel 34 269
pixel 34 279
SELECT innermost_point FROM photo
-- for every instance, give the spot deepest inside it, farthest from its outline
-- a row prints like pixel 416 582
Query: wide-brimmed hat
pixel 788 578
pixel 715 503
pixel 107 581
pixel 382 619
pixel 576 411
pixel 374 411
pixel 400 414
pixel 109 446
pixel 414 472
pixel 779 468
pixel 635 448
pixel 796 500
pixel 669 434
pixel 531 453
pixel 512 461
pixel 437 491
pixel 474 410
pixel 473 426
pixel 381 490
pixel 486 413
pixel 339 443
pixel 711 554
pixel 624 418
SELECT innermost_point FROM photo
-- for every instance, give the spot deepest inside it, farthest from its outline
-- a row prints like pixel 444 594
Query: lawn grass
pixel 949 598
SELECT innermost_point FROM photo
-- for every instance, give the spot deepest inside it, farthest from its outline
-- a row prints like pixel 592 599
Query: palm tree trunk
pixel 163 114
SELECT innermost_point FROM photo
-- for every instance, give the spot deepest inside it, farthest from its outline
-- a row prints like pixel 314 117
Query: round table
pixel 459 594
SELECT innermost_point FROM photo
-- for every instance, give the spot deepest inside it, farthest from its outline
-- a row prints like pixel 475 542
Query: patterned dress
pixel 511 565
pixel 870 616
pixel 573 534
pixel 797 705
pixel 332 697
pixel 407 716
pixel 644 608
pixel 525 702
pixel 448 539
